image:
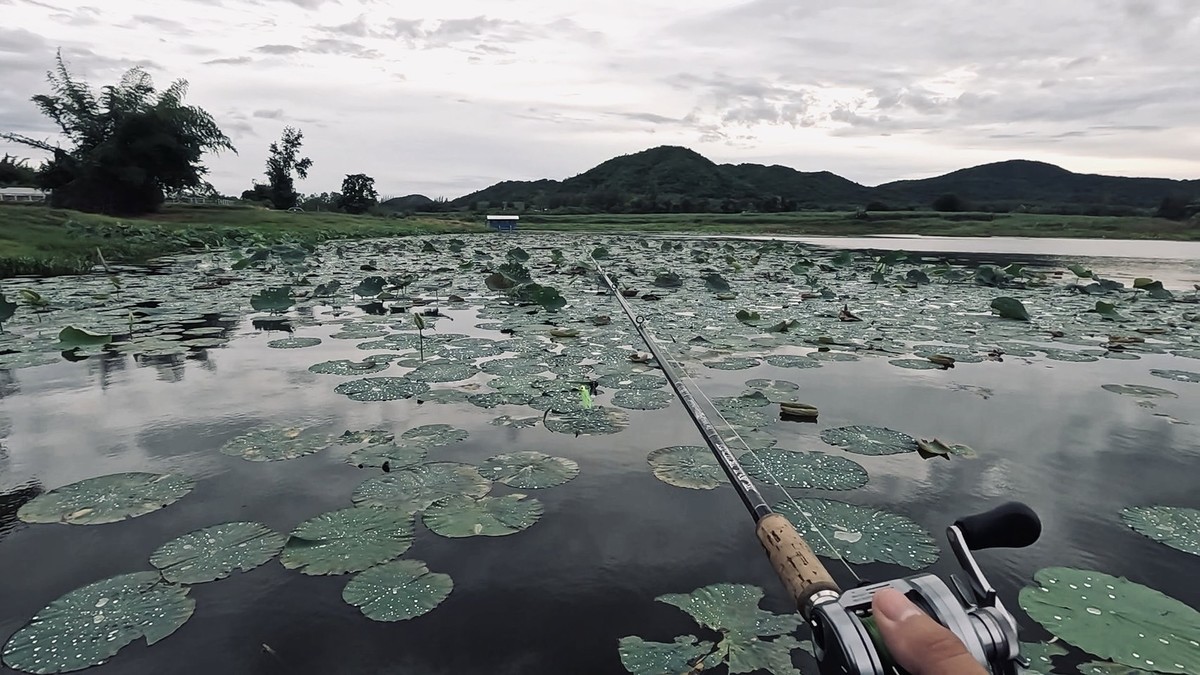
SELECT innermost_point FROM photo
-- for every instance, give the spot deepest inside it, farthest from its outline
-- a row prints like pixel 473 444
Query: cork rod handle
pixel 794 561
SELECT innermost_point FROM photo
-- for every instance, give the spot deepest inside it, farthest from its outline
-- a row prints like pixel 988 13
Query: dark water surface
pixel 556 598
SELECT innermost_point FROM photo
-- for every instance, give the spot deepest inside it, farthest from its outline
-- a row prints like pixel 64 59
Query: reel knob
pixel 1011 525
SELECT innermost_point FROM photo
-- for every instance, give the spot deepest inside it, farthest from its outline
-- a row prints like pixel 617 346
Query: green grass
pixel 40 240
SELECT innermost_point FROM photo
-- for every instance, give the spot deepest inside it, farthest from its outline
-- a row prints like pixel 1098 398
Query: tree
pixel 129 145
pixel 1175 207
pixel 281 164
pixel 949 203
pixel 358 194
pixel 15 171
pixel 326 201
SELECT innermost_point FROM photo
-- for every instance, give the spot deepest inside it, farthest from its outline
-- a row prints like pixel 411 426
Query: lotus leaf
pixel 349 540
pixel 294 343
pixel 860 534
pixel 416 488
pixel 275 445
pixel 686 466
pixel 484 517
pixel 1114 618
pixel 75 338
pixel 642 399
pixel 392 455
pixel 1040 655
pixel 684 655
pixel 732 363
pixel 631 381
pixel 597 420
pixel 1109 668
pixel 368 366
pixel 1177 375
pixel 434 435
pixel 790 361
pixel 397 591
pixel 214 552
pixel 91 624
pixel 516 422
pixel 864 440
pixel 381 389
pixel 106 499
pixel 443 371
pixel 1010 308
pixel 806 470
pixel 528 470
pixel 368 437
pixel 1139 391
pixel 916 364
pixel 1175 526
pixel 513 366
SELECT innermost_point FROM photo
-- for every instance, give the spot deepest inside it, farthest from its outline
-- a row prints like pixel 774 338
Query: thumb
pixel 919 644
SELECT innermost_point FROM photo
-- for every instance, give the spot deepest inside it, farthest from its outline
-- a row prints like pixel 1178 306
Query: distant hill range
pixel 670 178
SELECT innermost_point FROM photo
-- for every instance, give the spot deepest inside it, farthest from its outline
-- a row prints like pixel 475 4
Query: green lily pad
pixel 740 363
pixel 1175 526
pixel 791 361
pixel 776 391
pixel 915 364
pixel 106 499
pixel 349 540
pixel 416 488
pixel 397 591
pixel 89 625
pixel 1177 375
pixel 275 445
pixel 484 517
pixel 76 338
pixel 368 366
pixel 860 534
pixel 366 437
pixel 1109 668
pixel 642 399
pixel 1040 655
pixel 381 389
pixel 513 366
pixel 805 470
pixel 214 552
pixel 754 399
pixel 686 466
pixel 294 343
pixel 684 655
pixel 394 456
pixel 631 381
pixel 1010 308
pixel 732 610
pixel 588 421
pixel 498 398
pixel 444 396
pixel 834 356
pixel 864 440
pixel 435 435
pixel 516 422
pixel 1116 619
pixel 443 371
pixel 1139 391
pixel 528 470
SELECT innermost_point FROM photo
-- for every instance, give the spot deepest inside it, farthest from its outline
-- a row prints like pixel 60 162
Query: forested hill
pixel 670 178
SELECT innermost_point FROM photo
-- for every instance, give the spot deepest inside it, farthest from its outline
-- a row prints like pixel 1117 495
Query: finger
pixel 919 644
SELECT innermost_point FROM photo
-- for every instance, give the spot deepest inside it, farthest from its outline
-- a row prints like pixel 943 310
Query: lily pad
pixel 381 389
pixel 1177 375
pixel 294 343
pixel 275 445
pixel 686 466
pixel 805 470
pixel 1116 619
pixel 916 364
pixel 642 399
pixel 394 456
pixel 214 552
pixel 791 361
pixel 1139 391
pixel 516 422
pixel 397 591
pixel 435 435
pixel 89 625
pixel 776 391
pixel 368 366
pixel 528 470
pixel 513 366
pixel 588 421
pixel 684 655
pixel 416 488
pixel 1040 655
pixel 1010 308
pixel 1109 668
pixel 106 499
pixel 740 363
pixel 860 534
pixel 1175 526
pixel 484 517
pixel 443 371
pixel 631 381
pixel 349 540
pixel 864 440
pixel 367 437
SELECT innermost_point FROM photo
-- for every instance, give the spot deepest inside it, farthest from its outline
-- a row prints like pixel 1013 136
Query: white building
pixel 23 194
pixel 503 223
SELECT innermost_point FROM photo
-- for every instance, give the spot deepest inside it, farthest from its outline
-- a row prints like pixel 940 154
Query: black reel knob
pixel 1011 525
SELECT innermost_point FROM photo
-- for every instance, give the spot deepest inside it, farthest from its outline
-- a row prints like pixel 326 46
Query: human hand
pixel 919 644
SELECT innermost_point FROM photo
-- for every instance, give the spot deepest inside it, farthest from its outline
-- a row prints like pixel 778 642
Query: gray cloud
pixel 160 23
pixel 230 61
pixel 278 50
pixel 268 114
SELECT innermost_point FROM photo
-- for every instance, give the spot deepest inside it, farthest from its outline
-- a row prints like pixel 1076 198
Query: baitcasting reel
pixel 847 641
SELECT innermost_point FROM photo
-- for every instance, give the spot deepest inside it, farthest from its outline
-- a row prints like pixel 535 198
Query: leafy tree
pixel 15 171
pixel 326 201
pixel 128 145
pixel 259 193
pixel 1176 207
pixel 949 203
pixel 281 164
pixel 358 194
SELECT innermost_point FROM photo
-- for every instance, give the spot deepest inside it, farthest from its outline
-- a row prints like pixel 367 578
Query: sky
pixel 444 98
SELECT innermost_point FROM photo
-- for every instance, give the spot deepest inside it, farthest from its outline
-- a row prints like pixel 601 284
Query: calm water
pixel 556 598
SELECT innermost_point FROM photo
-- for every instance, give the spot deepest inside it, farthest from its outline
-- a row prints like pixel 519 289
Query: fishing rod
pixel 845 638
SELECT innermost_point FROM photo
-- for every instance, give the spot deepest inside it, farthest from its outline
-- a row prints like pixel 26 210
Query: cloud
pixel 230 61
pixel 278 50
pixel 269 114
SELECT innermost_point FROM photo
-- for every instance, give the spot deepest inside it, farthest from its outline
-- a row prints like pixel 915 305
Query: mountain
pixel 670 178
pixel 1024 182
pixel 408 203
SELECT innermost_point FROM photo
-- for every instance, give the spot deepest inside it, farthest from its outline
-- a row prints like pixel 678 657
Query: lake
pixel 557 597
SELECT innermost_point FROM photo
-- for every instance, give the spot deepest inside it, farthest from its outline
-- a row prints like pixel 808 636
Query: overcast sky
pixel 447 97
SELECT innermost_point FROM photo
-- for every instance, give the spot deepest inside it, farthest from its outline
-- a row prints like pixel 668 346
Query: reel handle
pixel 794 561
pixel 1011 525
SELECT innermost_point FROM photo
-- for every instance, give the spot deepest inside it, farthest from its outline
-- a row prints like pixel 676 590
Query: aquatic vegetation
pixel 106 499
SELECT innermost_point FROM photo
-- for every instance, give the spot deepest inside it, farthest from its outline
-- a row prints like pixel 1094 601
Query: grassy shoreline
pixel 45 241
